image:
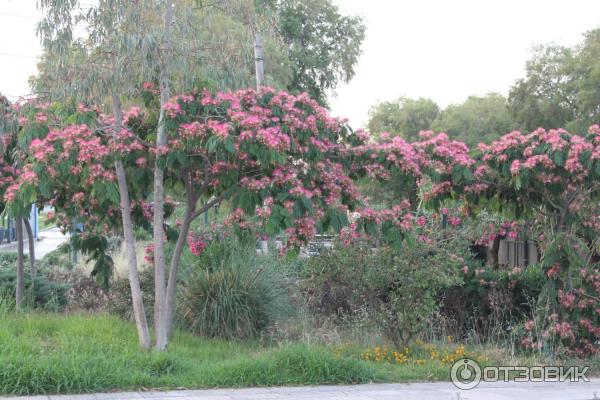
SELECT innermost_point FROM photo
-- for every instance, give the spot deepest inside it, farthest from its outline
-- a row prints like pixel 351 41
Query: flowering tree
pixel 553 177
pixel 552 172
pixel 12 165
pixel 275 156
pixel 283 162
pixel 124 45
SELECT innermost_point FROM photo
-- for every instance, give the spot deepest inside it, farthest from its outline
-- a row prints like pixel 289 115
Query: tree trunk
pixel 31 243
pixel 160 285
pixel 259 62
pixel 134 279
pixel 20 289
pixel 190 215
pixel 172 284
pixel 160 328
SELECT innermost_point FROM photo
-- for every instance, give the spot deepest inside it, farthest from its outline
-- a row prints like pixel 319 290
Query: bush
pixel 40 292
pixel 333 279
pixel 239 298
pixel 399 292
pixel 9 260
pixel 119 297
pixel 566 317
pixel 84 293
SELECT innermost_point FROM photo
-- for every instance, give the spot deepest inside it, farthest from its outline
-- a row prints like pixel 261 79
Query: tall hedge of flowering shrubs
pixel 286 166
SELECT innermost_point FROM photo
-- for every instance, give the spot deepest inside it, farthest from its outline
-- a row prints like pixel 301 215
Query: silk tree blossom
pixel 552 168
pixel 172 108
pixel 451 151
pixel 515 167
pixel 131 114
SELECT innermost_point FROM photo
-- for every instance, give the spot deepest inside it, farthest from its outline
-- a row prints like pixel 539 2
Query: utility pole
pixel 259 61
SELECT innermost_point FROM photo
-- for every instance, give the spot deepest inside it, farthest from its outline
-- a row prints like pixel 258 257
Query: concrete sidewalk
pixel 414 391
pixel 48 240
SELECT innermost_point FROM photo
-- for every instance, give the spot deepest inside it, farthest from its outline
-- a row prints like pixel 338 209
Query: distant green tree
pixel 477 119
pixel 587 74
pixel 404 116
pixel 323 45
pixel 546 96
pixel 560 88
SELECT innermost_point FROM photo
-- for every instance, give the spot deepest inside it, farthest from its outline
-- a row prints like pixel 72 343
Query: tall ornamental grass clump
pixel 237 295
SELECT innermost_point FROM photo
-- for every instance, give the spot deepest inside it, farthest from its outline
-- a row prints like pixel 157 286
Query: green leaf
pixel 112 192
pixel 518 183
pixel 559 159
pixel 212 143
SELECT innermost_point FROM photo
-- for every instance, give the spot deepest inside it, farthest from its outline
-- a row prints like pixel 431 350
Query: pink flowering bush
pixel 568 317
pixel 71 168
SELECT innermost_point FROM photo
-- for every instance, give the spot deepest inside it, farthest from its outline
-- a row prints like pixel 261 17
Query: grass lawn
pixel 49 353
pixel 42 353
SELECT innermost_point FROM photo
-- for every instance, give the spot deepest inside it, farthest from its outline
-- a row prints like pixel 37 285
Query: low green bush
pixel 396 291
pixel 119 297
pixel 40 291
pixel 84 293
pixel 8 259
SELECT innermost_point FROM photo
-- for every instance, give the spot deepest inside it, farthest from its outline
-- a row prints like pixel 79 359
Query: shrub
pixel 239 298
pixel 333 279
pixel 119 297
pixel 398 291
pixel 8 259
pixel 40 292
pixel 566 317
pixel 84 293
pixel 491 302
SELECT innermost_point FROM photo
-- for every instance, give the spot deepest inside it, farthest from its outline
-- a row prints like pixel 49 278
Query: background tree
pixel 213 47
pixel 476 120
pixel 546 97
pixel 587 73
pixel 560 88
pixel 405 116
pixel 322 45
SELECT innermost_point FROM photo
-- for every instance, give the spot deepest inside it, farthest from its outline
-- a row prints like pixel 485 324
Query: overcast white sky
pixel 443 49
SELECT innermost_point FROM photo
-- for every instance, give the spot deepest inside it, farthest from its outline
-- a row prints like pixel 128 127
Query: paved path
pixel 48 240
pixel 415 391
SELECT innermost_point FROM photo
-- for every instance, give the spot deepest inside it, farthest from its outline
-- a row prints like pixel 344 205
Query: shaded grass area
pixel 43 353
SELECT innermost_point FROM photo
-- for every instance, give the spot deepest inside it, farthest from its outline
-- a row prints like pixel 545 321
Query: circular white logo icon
pixel 465 374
